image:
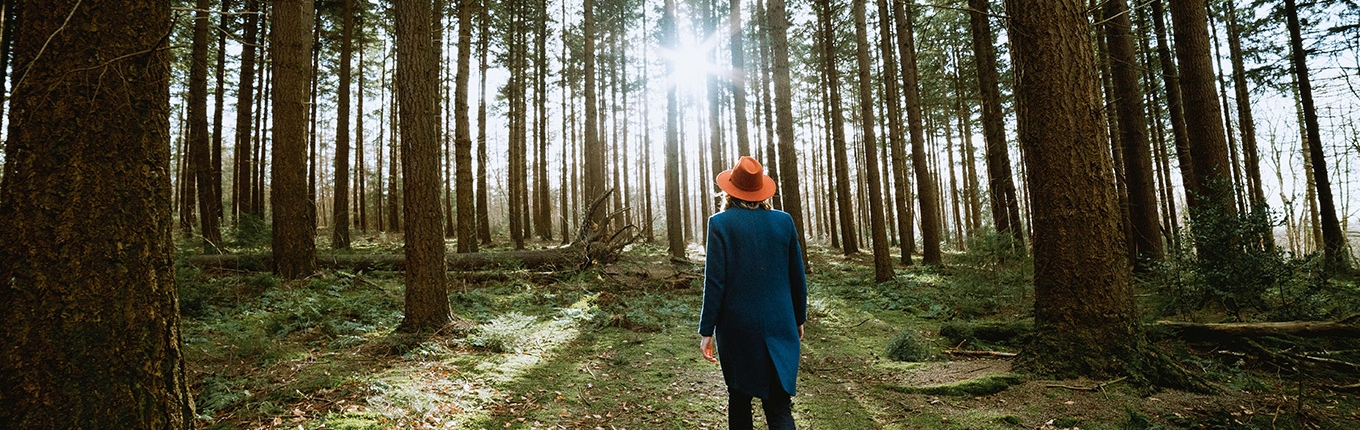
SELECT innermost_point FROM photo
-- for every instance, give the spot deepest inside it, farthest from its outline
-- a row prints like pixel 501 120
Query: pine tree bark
pixel 675 235
pixel 1175 108
pixel 1247 125
pixel 200 155
pixel 783 107
pixel 1205 133
pixel 294 215
pixel 841 167
pixel 219 96
pixel 883 270
pixel 92 331
pixel 340 209
pixel 1128 101
pixel 593 151
pixel 1334 247
pixel 483 46
pixel 738 77
pixel 896 145
pixel 427 299
pixel 925 182
pixel 1084 310
pixel 465 224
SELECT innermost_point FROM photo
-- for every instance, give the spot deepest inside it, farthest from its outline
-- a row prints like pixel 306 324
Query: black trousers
pixel 778 408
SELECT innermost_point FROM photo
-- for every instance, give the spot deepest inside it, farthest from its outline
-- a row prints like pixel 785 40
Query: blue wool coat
pixel 755 297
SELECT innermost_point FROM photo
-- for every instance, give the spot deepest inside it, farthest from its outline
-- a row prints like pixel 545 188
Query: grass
pixel 617 348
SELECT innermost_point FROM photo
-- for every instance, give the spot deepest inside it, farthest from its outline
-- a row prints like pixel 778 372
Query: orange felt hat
pixel 747 181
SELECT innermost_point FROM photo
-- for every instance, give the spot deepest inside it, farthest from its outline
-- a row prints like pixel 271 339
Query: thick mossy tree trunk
pixel 91 333
pixel 294 230
pixel 427 297
pixel 1084 310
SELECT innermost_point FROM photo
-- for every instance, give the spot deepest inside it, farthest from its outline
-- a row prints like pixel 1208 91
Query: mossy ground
pixel 616 348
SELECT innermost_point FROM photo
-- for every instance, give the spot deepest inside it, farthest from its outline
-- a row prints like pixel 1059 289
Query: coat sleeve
pixel 715 270
pixel 797 277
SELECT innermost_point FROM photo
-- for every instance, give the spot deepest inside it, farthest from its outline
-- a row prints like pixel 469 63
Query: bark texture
pixel 465 223
pixel 340 209
pixel 294 241
pixel 883 270
pixel 792 196
pixel 1144 226
pixel 427 298
pixel 927 193
pixel 1084 310
pixel 1334 248
pixel 92 331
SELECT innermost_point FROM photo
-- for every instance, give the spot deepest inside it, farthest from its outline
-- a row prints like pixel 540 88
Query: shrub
pixel 994 275
pixel 908 346
pixel 250 232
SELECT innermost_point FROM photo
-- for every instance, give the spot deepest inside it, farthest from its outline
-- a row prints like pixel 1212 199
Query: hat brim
pixel 767 187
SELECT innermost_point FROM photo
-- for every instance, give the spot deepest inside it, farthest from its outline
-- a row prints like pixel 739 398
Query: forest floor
pixel 616 348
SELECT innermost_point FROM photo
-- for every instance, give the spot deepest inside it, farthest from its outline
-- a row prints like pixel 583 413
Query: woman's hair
pixel 731 202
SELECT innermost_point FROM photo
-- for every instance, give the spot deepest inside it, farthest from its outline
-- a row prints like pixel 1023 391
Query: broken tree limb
pixel 967 353
pixel 1294 328
pixel 542 259
pixel 1097 387
pixel 595 244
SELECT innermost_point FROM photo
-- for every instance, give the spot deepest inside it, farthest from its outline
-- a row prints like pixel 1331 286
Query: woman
pixel 755 298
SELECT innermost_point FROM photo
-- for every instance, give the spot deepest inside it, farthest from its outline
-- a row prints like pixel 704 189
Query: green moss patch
pixel 981 386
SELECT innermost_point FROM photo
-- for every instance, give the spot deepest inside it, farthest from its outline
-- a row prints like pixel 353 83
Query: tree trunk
pixel 1175 107
pixel 92 330
pixel 594 148
pixel 294 215
pixel 465 224
pixel 1084 310
pixel 783 112
pixel 883 270
pixel 427 299
pixel 483 213
pixel 360 158
pixel 340 210
pixel 738 77
pixel 243 199
pixel 925 183
pixel 841 168
pixel 219 96
pixel 1246 124
pixel 1207 139
pixel 1334 242
pixel 200 156
pixel 895 143
pixel 1128 101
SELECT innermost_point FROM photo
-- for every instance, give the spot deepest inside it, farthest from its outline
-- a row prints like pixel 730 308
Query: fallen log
pixel 1198 331
pixel 595 244
pixel 553 259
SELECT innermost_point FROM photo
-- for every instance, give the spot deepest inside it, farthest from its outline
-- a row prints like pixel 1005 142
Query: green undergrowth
pixel 617 348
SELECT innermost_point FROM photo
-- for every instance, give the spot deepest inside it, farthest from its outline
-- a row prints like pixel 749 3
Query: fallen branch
pixel 1097 387
pixel 967 353
pixel 1188 330
pixel 594 245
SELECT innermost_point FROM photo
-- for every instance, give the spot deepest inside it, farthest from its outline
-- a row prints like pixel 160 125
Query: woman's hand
pixel 800 332
pixel 706 348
